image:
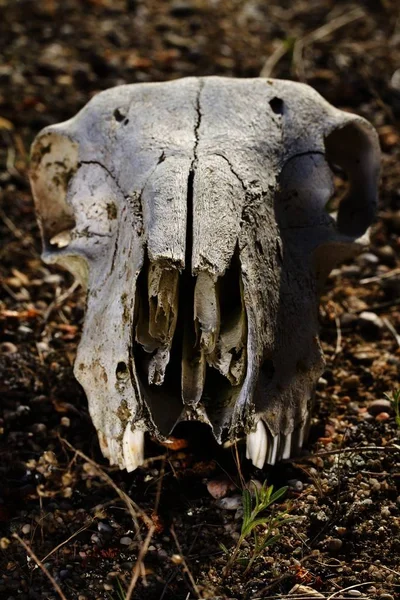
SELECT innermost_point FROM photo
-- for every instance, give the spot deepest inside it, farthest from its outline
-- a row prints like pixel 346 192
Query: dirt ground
pixel 345 488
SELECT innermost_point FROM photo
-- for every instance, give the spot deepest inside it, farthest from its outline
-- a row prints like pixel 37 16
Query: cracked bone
pixel 198 226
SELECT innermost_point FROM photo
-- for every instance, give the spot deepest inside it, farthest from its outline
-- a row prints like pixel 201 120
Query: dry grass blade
pixel 58 302
pixel 320 34
pixel 392 330
pixel 41 566
pixel 139 566
pixel 65 541
pixel 360 450
pixel 378 278
pixel 273 60
pixel 185 565
pixel 139 563
pixel 133 508
pixel 351 587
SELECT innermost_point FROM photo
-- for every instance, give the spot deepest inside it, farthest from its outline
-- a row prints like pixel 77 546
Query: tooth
pixel 103 444
pixel 133 448
pixel 157 366
pixel 114 451
pixel 256 447
pixel 206 311
pixel 163 302
pixel 275 446
pixel 302 434
pixel 287 447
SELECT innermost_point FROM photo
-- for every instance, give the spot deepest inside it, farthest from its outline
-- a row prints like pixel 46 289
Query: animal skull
pixel 194 212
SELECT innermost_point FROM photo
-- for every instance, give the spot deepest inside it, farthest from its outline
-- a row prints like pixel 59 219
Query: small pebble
pixel 355 593
pixel 126 541
pixel 367 258
pixel 378 406
pixel 230 503
pixel 64 574
pixel 219 488
pixel 334 544
pixel 105 529
pixel 8 348
pixel 65 421
pixel 296 485
pixel 177 559
pixel 370 322
pixel 26 529
pixel 351 383
pixel 386 597
pixel 383 416
pixel 95 539
pixel 108 587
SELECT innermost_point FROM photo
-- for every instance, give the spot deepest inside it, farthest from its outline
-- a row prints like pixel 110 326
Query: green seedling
pixel 264 528
pixel 394 398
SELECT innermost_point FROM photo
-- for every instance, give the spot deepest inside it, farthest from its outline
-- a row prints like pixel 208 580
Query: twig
pixel 319 34
pixel 392 330
pixel 377 278
pixel 273 60
pixel 351 587
pixel 185 566
pixel 58 302
pixel 364 562
pixel 41 566
pixel 10 225
pixel 139 563
pixel 65 542
pixel 133 508
pixel 361 449
pixel 338 348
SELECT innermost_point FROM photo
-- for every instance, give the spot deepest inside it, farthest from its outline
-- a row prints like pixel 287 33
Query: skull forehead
pixel 140 121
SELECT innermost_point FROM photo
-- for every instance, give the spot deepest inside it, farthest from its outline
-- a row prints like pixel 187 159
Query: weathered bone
pixel 194 212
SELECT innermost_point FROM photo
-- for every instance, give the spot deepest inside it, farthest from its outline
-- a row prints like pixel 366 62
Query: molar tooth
pixel 287 446
pixel 133 448
pixel 256 446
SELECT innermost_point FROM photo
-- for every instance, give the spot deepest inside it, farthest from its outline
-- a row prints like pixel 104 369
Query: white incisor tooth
pixel 133 448
pixel 275 445
pixel 256 447
pixel 287 446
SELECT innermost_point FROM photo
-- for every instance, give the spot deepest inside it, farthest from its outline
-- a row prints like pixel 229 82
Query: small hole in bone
pixel 277 105
pixel 118 115
pixel 121 371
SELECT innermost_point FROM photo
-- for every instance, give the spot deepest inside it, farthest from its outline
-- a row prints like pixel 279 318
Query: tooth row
pixel 130 455
pixel 263 447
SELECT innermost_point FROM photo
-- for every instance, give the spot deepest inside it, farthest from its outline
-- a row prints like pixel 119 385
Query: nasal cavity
pixel 190 335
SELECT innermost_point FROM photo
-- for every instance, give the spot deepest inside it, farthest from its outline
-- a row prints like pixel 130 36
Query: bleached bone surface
pixel 194 212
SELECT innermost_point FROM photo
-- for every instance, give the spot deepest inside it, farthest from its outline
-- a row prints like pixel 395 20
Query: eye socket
pixel 54 161
pixel 355 149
